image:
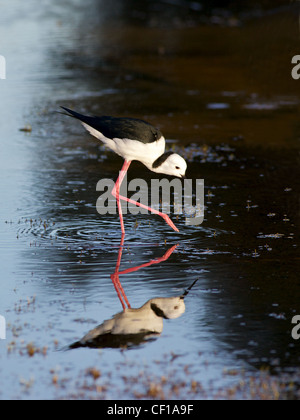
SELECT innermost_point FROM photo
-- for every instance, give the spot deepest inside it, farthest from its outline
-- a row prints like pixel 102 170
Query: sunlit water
pixel 58 253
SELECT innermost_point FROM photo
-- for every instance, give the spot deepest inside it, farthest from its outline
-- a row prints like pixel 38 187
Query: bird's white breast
pixel 129 149
pixel 146 153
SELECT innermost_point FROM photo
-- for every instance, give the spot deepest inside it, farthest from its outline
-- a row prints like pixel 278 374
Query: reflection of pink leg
pixel 116 193
pixel 120 291
pixel 116 280
pixel 156 261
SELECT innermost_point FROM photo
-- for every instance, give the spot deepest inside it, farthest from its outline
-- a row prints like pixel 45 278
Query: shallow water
pixel 226 101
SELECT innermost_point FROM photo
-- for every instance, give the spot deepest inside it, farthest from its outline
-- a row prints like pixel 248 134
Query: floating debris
pixel 26 129
pixel 270 235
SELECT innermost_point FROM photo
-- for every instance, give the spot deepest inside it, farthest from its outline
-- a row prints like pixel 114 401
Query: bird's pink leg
pixel 116 193
pixel 163 215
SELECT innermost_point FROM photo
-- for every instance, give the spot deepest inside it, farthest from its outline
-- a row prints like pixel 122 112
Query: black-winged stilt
pixel 134 139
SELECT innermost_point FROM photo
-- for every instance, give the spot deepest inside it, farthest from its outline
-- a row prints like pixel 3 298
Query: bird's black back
pixel 122 128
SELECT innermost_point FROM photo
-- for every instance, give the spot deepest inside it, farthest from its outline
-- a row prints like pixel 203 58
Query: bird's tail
pixel 91 125
pixel 71 113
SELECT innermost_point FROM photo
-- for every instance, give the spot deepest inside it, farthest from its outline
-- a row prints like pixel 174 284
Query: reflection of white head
pixel 168 308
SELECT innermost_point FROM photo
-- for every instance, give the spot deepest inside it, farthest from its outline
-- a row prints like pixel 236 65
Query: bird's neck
pixel 157 165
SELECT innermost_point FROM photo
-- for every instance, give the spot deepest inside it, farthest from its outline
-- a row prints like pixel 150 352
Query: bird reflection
pixel 134 326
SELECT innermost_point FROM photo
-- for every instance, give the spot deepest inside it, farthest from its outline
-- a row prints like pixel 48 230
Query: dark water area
pixel 216 78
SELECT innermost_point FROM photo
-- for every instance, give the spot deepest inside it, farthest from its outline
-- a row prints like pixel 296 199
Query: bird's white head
pixel 170 164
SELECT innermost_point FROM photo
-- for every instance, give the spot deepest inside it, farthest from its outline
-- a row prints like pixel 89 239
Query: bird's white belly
pixel 146 153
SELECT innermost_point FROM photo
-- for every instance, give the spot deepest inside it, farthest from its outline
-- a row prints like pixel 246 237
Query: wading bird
pixel 134 139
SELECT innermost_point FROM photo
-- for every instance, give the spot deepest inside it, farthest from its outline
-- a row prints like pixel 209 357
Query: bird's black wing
pixel 122 128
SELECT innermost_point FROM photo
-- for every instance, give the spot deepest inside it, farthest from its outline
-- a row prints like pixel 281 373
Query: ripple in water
pixel 105 234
